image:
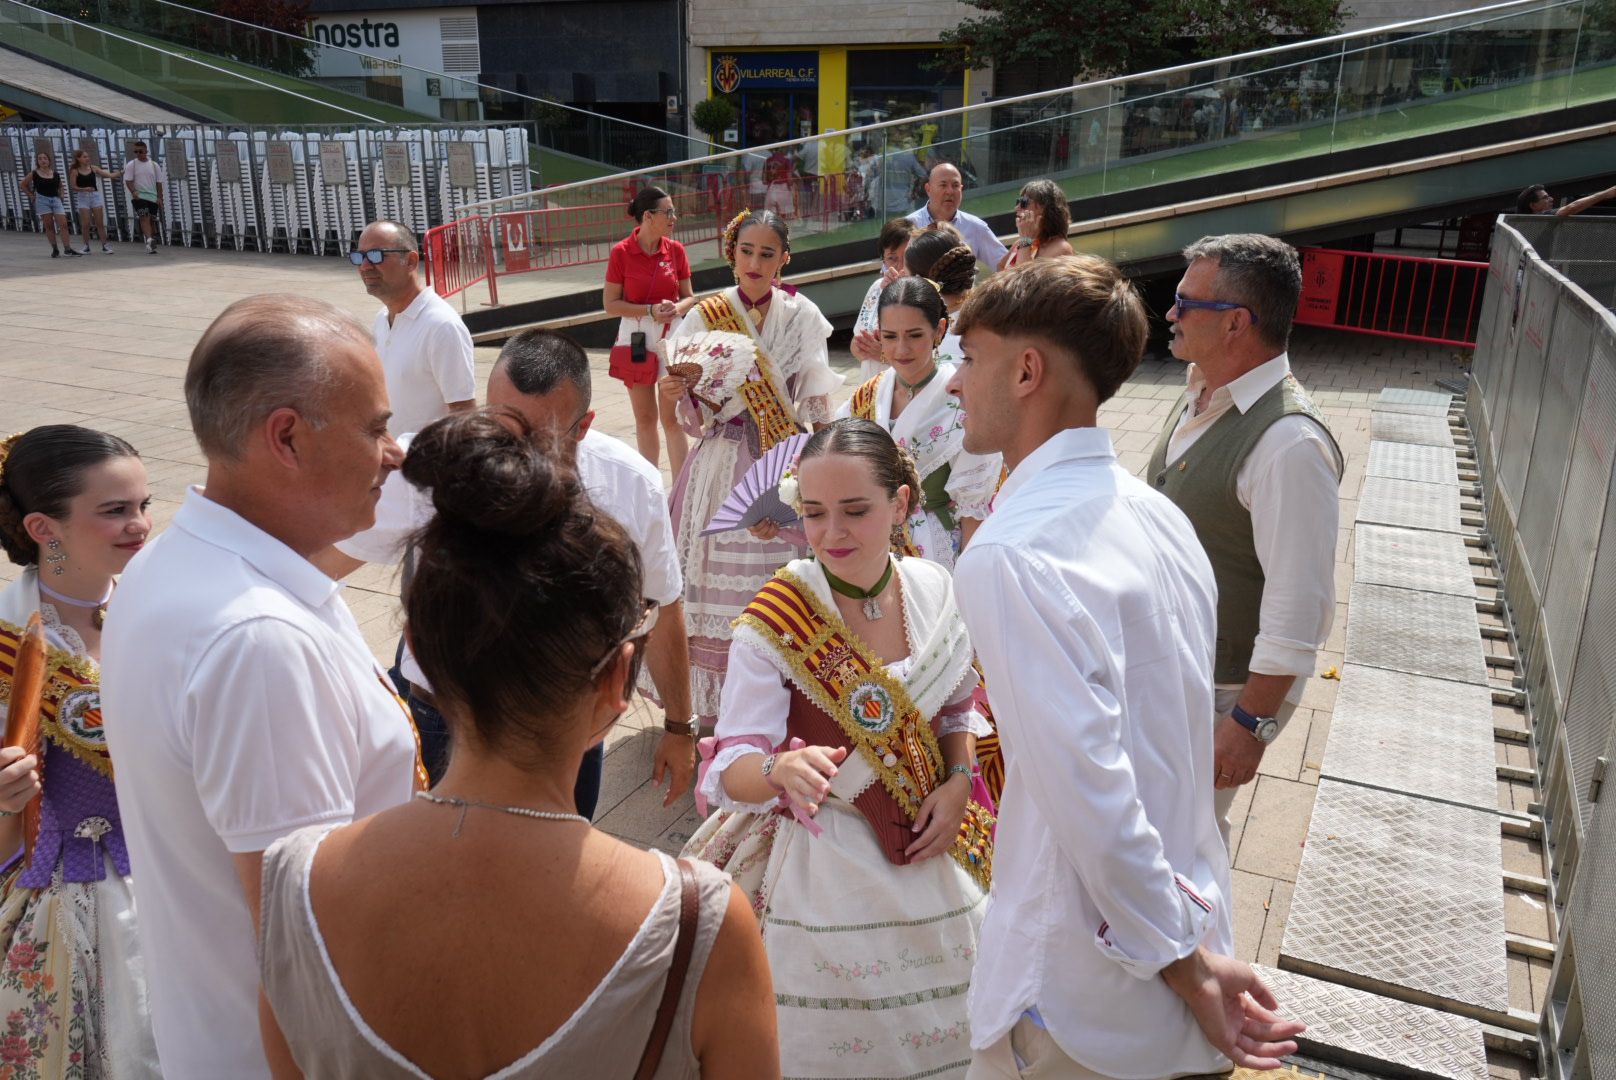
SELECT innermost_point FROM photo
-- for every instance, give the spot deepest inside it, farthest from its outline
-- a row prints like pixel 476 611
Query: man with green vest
pixel 1252 464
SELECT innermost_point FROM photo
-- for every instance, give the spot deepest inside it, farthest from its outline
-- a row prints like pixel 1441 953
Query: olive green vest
pixel 1202 482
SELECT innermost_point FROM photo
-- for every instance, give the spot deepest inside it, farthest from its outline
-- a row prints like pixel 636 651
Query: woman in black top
pixel 45 185
pixel 88 200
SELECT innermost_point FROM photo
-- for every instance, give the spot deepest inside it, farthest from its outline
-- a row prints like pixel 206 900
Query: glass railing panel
pixel 1593 76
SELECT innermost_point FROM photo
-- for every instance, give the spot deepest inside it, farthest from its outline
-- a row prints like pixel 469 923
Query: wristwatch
pixel 679 727
pixel 1263 728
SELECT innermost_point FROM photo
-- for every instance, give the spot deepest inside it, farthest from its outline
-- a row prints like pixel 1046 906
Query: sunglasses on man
pixel 374 256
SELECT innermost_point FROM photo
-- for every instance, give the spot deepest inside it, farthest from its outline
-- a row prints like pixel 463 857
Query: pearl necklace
pixel 519 811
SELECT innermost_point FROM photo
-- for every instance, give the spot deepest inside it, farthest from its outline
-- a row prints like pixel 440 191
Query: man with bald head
pixel 245 702
pixel 945 190
pixel 425 347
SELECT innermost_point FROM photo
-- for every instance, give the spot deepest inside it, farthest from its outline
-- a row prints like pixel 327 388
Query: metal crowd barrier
pixel 311 189
pixel 1435 301
pixel 1542 405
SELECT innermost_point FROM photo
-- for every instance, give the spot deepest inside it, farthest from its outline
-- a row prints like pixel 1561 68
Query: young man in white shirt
pixel 544 377
pixel 1250 461
pixel 945 189
pixel 145 183
pixel 425 347
pixel 242 702
pixel 1091 606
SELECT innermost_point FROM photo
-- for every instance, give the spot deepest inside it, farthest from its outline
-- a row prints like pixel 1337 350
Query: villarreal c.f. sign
pixel 734 71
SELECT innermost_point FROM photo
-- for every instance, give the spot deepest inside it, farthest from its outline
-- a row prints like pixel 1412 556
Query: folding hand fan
pixel 757 496
pixel 714 363
pixel 22 715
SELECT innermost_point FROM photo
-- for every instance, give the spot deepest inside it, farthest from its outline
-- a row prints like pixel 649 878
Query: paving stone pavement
pixel 103 341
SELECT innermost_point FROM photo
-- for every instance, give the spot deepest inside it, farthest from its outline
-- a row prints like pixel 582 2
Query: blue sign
pixel 734 71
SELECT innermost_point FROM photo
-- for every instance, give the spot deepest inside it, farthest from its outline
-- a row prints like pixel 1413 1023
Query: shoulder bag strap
pixel 683 945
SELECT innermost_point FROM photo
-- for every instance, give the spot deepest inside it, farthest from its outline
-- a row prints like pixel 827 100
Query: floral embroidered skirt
pixel 871 961
pixel 72 986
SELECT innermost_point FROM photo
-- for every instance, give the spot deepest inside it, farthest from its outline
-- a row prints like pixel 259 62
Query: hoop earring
pixel 55 558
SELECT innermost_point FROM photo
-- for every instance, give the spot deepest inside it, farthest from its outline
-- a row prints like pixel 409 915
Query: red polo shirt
pixel 647 279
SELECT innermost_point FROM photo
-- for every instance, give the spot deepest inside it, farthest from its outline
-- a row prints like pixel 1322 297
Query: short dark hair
pixel 645 200
pixel 515 564
pixel 536 362
pixel 896 233
pixel 941 254
pixel 1259 272
pixel 1057 216
pixel 1081 305
pixel 41 471
pixel 1528 196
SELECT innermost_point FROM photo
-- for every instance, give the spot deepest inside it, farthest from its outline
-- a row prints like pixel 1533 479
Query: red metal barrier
pixel 459 255
pixel 1437 301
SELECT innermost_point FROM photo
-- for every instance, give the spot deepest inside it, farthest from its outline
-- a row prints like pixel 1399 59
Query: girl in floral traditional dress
pixel 842 767
pixel 910 399
pixel 793 378
pixel 73 512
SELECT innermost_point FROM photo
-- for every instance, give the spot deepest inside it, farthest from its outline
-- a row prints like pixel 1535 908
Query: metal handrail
pixel 193 60
pixel 1041 95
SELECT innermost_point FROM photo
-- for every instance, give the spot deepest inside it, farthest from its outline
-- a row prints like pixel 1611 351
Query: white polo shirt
pixel 616 478
pixel 427 358
pixel 242 704
pixel 976 232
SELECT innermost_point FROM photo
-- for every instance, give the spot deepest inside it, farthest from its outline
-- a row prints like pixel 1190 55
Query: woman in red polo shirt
pixel 648 287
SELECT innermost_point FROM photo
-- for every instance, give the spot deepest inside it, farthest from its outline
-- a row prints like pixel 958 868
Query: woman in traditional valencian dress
pixel 73 512
pixel 779 387
pixel 910 399
pixel 842 767
pixel 941 255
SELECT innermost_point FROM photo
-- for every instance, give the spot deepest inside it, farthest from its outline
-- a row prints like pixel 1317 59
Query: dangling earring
pixel 55 558
pixel 900 539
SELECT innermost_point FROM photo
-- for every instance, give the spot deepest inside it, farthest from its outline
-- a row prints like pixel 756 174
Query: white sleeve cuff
pixel 712 788
pixel 1280 656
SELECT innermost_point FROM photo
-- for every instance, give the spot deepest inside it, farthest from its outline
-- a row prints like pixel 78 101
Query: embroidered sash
pixel 70 713
pixel 864 399
pixel 843 677
pixel 765 397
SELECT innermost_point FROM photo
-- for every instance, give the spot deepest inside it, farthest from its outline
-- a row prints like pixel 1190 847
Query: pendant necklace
pixel 519 811
pixel 100 605
pixel 915 388
pixel 871 597
pixel 756 309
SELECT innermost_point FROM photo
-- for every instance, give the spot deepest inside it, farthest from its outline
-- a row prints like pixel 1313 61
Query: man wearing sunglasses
pixel 145 183
pixel 1250 461
pixel 544 376
pixel 425 347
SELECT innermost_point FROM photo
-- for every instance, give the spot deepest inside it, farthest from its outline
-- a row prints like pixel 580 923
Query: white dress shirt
pixel 242 704
pixel 428 361
pixel 975 231
pixel 1291 485
pixel 616 478
pixel 1093 611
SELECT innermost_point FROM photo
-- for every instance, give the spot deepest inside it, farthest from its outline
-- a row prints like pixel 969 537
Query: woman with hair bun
pixel 910 400
pixel 404 944
pixel 648 289
pixel 941 255
pixel 73 512
pixel 841 769
pixel 758 392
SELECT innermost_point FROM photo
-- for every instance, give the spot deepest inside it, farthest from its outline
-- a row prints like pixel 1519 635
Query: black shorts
pixel 145 208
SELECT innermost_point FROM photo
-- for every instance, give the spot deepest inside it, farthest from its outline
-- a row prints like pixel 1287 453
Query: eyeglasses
pixel 1184 303
pixel 1023 202
pixel 670 211
pixel 374 256
pixel 641 629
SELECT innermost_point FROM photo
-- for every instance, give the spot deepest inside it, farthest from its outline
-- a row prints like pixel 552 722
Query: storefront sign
pixel 462 165
pixel 278 156
pixel 734 71
pixel 174 159
pixel 1321 287
pixel 227 160
pixel 333 164
pixel 396 164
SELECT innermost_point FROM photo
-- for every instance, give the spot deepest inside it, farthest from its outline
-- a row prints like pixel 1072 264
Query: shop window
pixel 892 84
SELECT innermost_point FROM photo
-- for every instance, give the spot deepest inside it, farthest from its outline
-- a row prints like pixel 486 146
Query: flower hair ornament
pixel 790 490
pixel 5 452
pixel 732 235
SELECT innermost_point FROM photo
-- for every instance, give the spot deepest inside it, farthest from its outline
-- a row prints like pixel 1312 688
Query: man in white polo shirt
pixel 425 347
pixel 544 376
pixel 945 189
pixel 242 703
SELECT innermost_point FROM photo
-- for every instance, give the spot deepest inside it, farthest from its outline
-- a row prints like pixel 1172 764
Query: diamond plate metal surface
pixel 1413 505
pixel 1403 893
pixel 1414 735
pixel 1413 559
pixel 1414 402
pixel 1422 633
pixel 1401 427
pixel 1372 1032
pixel 1412 461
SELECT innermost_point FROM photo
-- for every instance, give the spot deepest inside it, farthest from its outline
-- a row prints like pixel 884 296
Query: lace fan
pixel 757 496
pixel 714 364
